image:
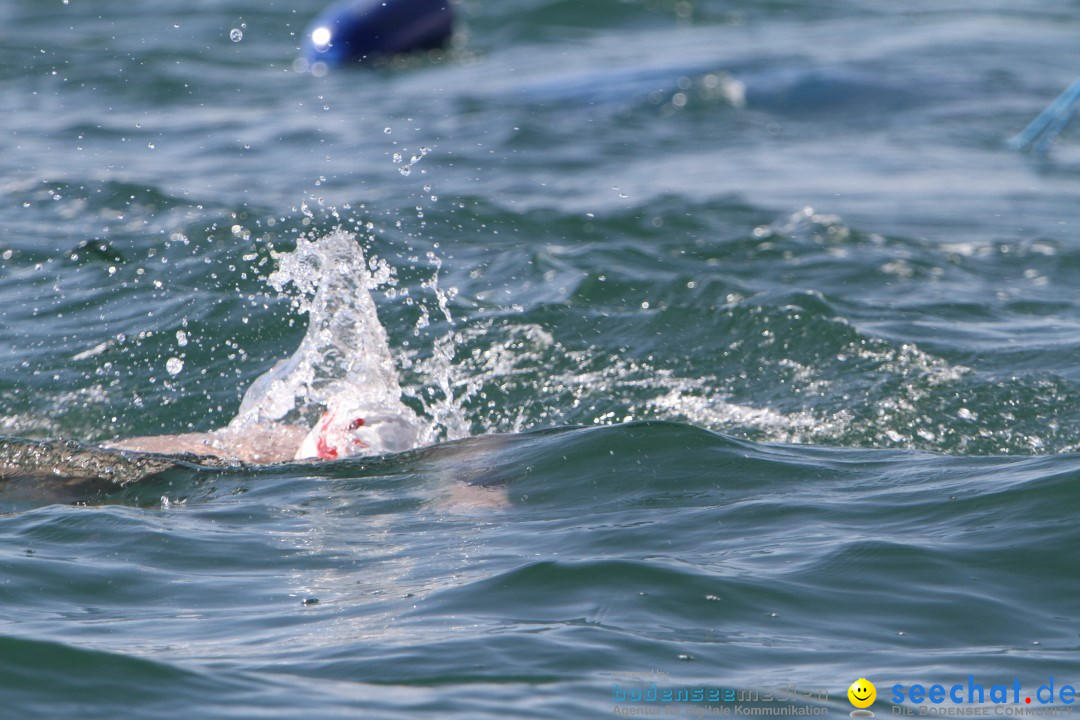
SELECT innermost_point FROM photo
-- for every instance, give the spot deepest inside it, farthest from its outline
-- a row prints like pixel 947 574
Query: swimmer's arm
pixel 255 444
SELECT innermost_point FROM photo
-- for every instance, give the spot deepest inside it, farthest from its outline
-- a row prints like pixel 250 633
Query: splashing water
pixel 342 379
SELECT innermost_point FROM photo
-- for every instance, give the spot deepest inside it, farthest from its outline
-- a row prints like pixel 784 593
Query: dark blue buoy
pixel 358 30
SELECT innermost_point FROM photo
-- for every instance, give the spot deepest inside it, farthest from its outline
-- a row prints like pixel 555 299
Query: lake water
pixel 749 358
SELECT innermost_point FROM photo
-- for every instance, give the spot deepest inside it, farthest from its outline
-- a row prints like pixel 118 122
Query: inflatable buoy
pixel 358 30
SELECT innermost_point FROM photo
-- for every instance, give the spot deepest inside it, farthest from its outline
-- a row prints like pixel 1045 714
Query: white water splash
pixel 343 370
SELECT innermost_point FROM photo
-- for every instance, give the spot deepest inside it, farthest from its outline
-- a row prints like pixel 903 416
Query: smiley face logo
pixel 862 693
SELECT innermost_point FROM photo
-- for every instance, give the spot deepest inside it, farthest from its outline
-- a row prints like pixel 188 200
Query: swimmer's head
pixel 348 432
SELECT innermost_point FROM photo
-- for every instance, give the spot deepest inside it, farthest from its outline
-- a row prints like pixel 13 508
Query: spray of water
pixel 342 380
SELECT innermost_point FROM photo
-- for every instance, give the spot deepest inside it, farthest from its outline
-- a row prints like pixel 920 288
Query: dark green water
pixel 753 393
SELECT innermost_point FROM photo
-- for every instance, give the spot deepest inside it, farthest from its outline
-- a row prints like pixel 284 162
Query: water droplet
pixel 236 34
pixel 174 365
pixel 181 338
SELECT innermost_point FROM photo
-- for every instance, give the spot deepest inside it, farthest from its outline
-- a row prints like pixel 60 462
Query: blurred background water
pixel 780 340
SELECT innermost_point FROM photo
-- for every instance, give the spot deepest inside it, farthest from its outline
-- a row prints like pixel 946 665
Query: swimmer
pixel 465 474
pixel 338 434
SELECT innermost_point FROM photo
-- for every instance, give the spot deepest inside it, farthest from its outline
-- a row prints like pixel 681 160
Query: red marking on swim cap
pixel 323 449
pixel 355 425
